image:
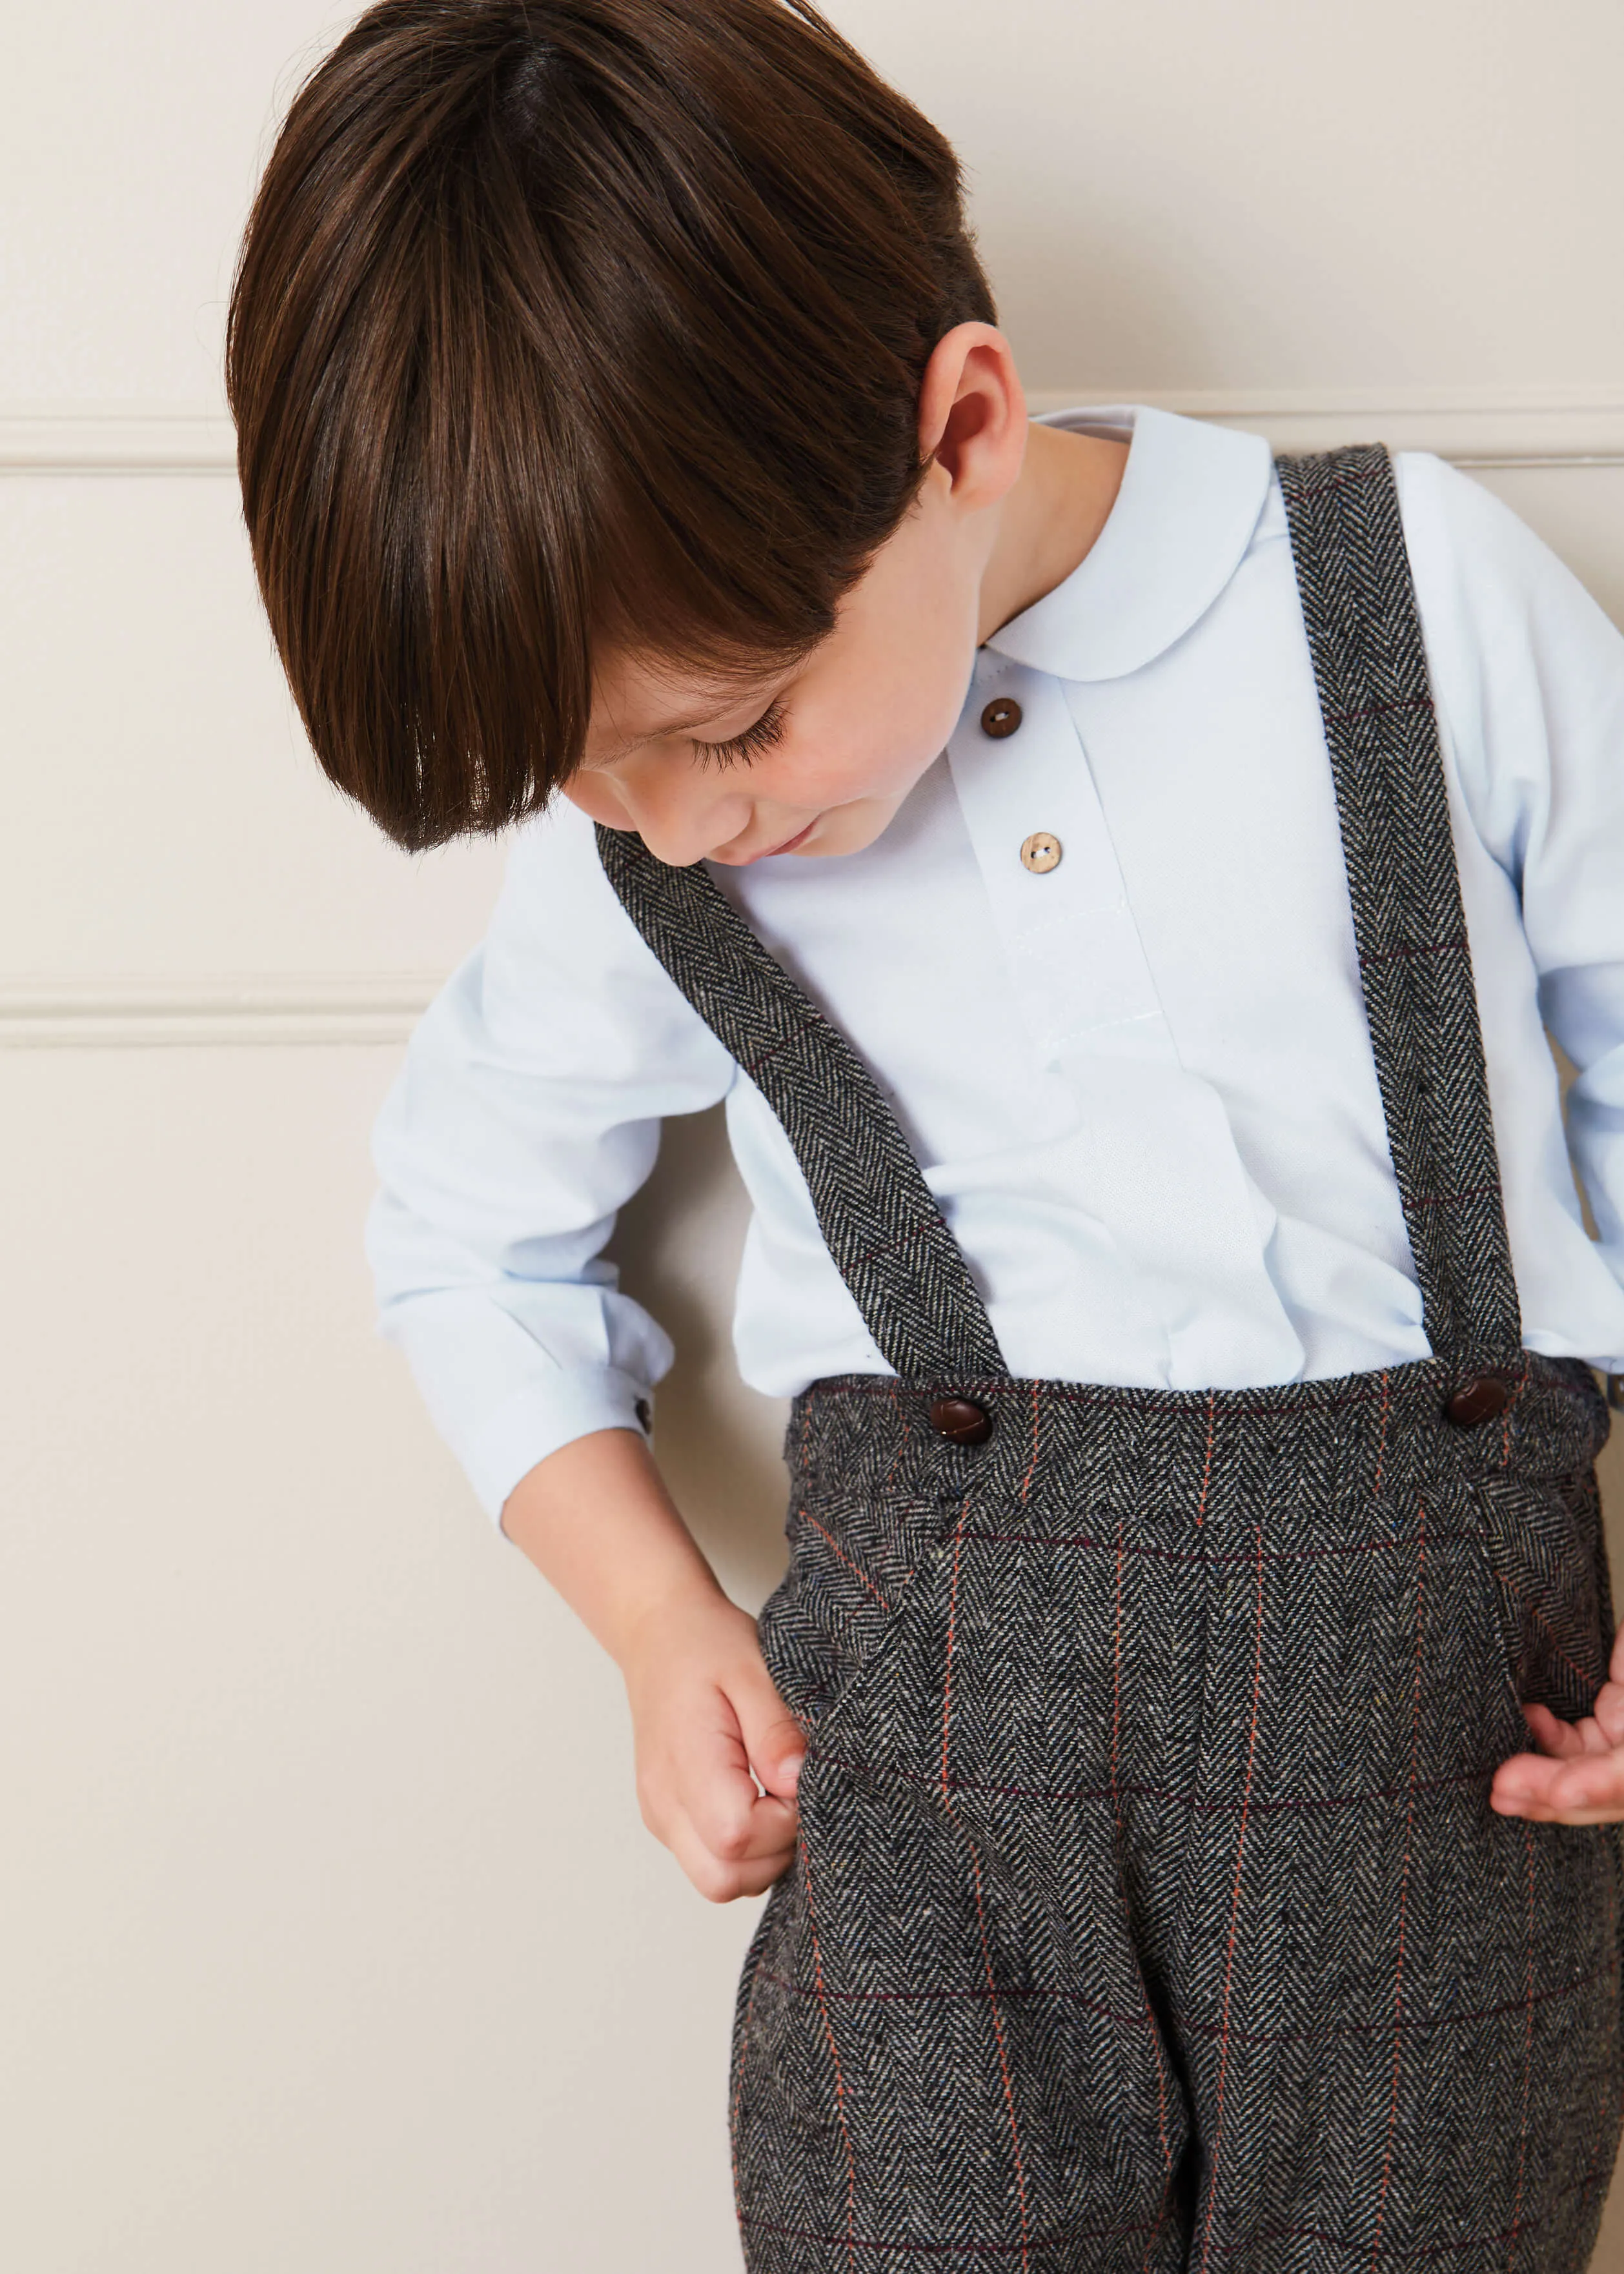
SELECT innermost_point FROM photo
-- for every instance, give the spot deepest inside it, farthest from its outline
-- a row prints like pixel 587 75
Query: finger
pixel 1525 1781
pixel 1528 1784
pixel 722 1879
pixel 1609 1710
pixel 735 1822
pixel 763 1825
pixel 1615 1667
pixel 719 1827
pixel 1554 1735
pixel 1536 1811
pixel 1567 1738
pixel 702 1781
pixel 1597 1782
pixel 772 1737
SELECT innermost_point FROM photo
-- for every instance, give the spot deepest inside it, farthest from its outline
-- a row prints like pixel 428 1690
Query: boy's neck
pixel 1049 522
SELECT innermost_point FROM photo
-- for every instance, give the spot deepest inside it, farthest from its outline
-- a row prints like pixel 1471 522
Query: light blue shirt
pixel 1139 1083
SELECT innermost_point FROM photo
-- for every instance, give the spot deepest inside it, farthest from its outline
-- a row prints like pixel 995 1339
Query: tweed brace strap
pixel 878 1216
pixel 1364 635
pixel 881 1223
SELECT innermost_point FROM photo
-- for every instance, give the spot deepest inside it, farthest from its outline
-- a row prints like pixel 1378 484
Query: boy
pixel 1194 1510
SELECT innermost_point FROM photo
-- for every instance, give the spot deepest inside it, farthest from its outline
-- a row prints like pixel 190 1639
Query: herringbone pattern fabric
pixel 1149 1911
pixel 1364 636
pixel 874 1211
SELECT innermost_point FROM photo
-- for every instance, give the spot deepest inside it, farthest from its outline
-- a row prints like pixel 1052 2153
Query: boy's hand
pixel 597 1521
pixel 705 1712
pixel 1577 1776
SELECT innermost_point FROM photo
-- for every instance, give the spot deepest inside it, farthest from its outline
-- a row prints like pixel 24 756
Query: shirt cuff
pixel 539 1416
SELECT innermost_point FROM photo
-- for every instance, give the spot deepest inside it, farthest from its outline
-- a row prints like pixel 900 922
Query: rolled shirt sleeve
pixel 526 1111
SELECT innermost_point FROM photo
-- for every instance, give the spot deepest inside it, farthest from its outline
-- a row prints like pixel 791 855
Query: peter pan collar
pixel 1189 500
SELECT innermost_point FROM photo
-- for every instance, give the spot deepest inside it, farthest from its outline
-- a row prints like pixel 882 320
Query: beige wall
pixel 331 1942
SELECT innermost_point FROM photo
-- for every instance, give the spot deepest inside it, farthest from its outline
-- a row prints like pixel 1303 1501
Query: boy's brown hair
pixel 567 326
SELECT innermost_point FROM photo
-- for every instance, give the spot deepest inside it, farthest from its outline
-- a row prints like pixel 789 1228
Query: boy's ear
pixel 972 413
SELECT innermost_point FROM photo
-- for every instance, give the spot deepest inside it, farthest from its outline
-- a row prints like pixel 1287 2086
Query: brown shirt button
pixel 962 1421
pixel 1478 1401
pixel 1001 717
pixel 1040 853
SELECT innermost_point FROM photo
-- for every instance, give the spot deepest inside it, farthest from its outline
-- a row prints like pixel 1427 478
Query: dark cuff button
pixel 1001 717
pixel 1478 1401
pixel 960 1421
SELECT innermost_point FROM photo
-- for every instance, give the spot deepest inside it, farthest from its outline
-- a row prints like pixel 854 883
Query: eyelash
pixel 768 729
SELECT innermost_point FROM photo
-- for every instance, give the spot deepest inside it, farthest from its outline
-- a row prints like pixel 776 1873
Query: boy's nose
pixel 679 844
pixel 681 821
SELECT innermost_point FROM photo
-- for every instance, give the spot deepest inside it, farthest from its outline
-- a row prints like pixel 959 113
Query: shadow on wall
pixel 1609 1468
pixel 718 1444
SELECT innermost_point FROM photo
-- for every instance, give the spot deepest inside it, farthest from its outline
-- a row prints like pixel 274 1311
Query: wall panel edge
pixel 1557 425
pixel 98 1014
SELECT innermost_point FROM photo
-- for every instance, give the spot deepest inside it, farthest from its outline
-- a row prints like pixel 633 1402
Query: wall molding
pixel 94 1013
pixel 1553 426
pixel 66 438
pixel 1471 427
pixel 1574 425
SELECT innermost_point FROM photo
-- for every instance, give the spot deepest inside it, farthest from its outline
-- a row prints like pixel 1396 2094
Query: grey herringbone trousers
pixel 1148 1909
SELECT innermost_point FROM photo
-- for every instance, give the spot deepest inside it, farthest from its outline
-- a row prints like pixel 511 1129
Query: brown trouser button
pixel 960 1421
pixel 1477 1401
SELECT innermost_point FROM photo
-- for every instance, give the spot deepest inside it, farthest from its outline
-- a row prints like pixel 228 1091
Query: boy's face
pixel 815 758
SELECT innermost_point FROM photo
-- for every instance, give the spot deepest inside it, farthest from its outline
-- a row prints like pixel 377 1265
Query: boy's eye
pixel 741 748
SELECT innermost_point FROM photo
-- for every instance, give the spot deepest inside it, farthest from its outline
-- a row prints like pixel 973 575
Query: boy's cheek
pixel 850 828
pixel 859 793
pixel 595 800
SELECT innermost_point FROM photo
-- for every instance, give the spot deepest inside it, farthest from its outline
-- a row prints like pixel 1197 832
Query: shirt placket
pixel 1151 1152
pixel 1083 984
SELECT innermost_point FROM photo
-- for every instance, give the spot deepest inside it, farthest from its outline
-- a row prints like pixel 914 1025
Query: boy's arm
pixel 526 1111
pixel 1530 673
pixel 597 1521
pixel 1533 688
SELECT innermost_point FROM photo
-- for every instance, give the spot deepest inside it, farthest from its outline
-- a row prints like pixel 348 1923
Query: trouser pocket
pixel 1548 1556
pixel 854 1564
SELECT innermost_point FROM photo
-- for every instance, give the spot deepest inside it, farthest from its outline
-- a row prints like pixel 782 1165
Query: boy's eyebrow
pixel 675 727
pixel 649 734
pixel 654 734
